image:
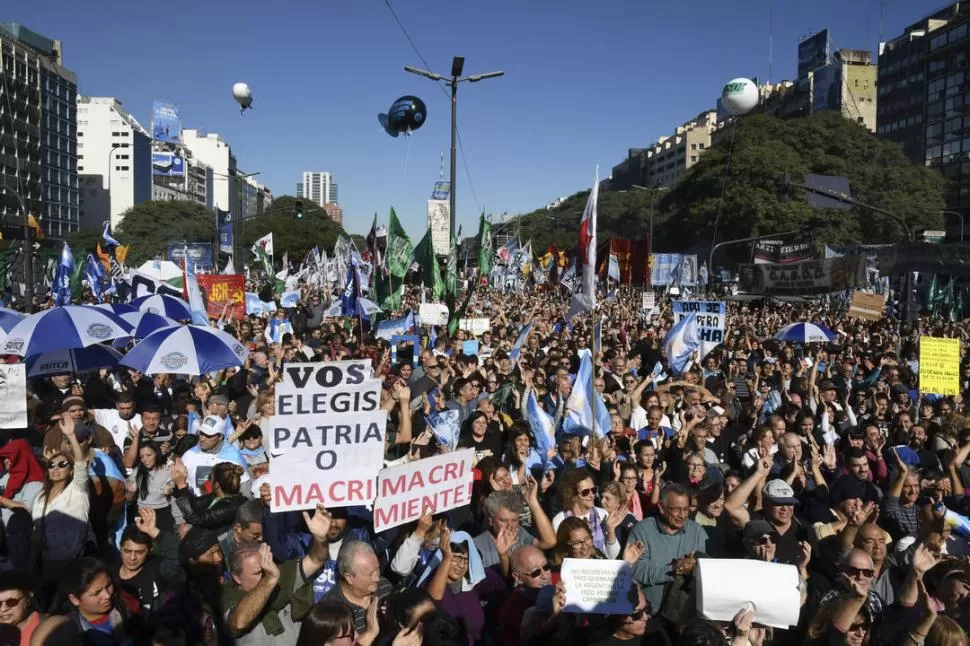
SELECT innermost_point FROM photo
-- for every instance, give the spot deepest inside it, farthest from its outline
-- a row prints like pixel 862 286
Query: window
pixel 80 169
pixel 701 146
pixel 693 146
pixel 115 134
pixel 693 158
pixel 125 134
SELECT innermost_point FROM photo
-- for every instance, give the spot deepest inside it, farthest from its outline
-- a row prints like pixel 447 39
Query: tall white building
pixel 114 162
pixel 319 187
pixel 213 151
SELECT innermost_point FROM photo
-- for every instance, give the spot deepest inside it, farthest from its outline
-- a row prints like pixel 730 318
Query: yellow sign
pixel 939 366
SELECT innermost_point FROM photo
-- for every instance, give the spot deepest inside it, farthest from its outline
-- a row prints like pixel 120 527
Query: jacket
pixel 206 511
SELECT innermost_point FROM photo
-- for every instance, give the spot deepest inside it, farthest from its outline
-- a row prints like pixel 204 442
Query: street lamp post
pixel 457 65
pixel 111 154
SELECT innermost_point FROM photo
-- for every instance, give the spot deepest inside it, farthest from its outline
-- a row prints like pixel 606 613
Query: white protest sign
pixel 600 587
pixel 433 485
pixel 433 314
pixel 724 586
pixel 327 436
pixel 13 396
pixel 711 321
pixel 475 326
pixel 649 299
pixel 335 465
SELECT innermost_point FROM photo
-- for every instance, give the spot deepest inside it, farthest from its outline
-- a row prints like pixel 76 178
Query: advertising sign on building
pixel 814 52
pixel 327 436
pixel 439 221
pixel 441 191
pixel 166 125
pixel 166 164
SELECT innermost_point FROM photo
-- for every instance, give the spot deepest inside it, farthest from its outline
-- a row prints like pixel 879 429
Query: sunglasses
pixel 764 540
pixel 589 491
pixel 7 604
pixel 60 464
pixel 536 572
pixel 853 571
pixel 854 627
pixel 638 615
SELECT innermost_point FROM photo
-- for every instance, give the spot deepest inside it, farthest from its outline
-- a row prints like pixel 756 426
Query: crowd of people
pixel 136 508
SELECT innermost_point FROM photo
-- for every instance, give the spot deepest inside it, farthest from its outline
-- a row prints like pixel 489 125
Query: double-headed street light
pixel 457 65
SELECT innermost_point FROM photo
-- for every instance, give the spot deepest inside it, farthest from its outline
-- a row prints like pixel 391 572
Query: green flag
pixel 430 274
pixel 399 247
pixel 456 316
pixel 77 286
pixel 451 274
pixel 484 246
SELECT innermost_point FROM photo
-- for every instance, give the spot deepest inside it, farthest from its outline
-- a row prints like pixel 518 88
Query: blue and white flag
pixel 94 274
pixel 542 425
pixel 681 343
pixel 350 302
pixel 61 288
pixel 579 418
pixel 519 342
pixel 193 295
pixel 613 271
pixel 598 338
pixel 258 307
pixel 109 240
pixel 289 299
pixel 446 427
pixel 394 327
pixel 225 232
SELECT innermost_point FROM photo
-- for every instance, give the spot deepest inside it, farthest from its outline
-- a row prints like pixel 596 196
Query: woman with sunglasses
pixel 17 612
pixel 578 499
pixel 332 624
pixel 60 513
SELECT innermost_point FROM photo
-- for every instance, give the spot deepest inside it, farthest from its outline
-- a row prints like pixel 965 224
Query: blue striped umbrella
pixel 173 308
pixel 9 318
pixel 805 333
pixel 117 308
pixel 72 361
pixel 70 326
pixel 185 350
pixel 147 322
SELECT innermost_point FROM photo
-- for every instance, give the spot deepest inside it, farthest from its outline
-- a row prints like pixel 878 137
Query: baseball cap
pixel 758 528
pixel 212 425
pixel 779 492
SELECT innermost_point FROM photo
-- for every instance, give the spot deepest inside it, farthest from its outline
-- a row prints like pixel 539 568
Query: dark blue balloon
pixel 406 114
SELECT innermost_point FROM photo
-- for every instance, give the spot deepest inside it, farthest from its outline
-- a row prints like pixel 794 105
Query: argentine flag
pixel 542 425
pixel 681 343
pixel 579 417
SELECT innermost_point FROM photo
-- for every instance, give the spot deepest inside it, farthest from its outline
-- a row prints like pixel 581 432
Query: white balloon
pixel 242 94
pixel 739 96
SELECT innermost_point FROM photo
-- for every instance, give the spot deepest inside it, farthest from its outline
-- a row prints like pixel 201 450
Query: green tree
pixel 147 228
pixel 85 239
pixel 764 149
pixel 292 234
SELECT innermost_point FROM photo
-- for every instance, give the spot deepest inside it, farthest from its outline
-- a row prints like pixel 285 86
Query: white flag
pixel 266 244
pixel 584 297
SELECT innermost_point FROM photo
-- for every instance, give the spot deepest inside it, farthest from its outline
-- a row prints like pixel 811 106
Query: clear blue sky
pixel 584 81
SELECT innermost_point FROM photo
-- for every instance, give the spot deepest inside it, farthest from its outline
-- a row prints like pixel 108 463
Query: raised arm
pixel 252 605
pixel 734 504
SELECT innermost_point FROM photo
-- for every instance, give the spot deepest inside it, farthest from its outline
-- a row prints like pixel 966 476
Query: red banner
pixel 220 290
pixel 633 256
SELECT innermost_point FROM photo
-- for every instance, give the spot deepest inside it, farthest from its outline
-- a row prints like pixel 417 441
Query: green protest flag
pixel 484 246
pixel 430 273
pixel 399 247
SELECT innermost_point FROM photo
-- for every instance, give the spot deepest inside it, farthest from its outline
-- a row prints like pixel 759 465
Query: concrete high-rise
pixel 38 131
pixel 319 187
pixel 114 161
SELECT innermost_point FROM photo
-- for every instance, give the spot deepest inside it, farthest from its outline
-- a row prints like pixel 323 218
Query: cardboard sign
pixel 475 326
pixel 939 366
pixel 867 306
pixel 327 436
pixel 222 290
pixel 724 586
pixel 433 485
pixel 600 587
pixel 13 396
pixel 648 300
pixel 469 348
pixel 433 314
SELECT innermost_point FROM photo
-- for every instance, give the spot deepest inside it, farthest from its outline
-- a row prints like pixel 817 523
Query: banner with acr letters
pixel 327 436
pixel 222 290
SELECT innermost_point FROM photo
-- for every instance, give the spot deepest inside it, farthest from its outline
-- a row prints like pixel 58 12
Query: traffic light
pixel 298 209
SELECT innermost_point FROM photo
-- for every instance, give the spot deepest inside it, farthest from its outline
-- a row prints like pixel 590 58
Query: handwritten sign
pixel 327 436
pixel 475 326
pixel 433 485
pixel 711 316
pixel 939 366
pixel 13 396
pixel 433 314
pixel 597 587
pixel 869 307
pixel 222 290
